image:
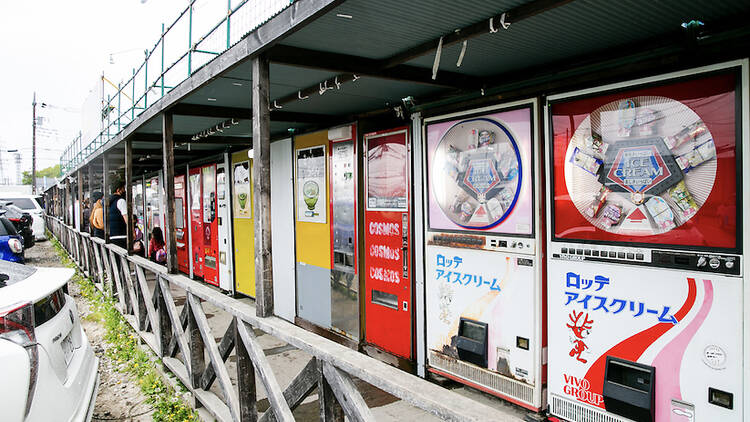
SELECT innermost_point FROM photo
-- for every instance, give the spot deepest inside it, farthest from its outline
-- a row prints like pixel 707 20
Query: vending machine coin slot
pixel 472 342
pixel 629 389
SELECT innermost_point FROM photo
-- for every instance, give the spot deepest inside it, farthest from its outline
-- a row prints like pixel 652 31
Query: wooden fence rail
pixel 183 339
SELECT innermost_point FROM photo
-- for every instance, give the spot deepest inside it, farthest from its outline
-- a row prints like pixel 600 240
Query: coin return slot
pixel 720 398
pixel 522 343
pixel 385 299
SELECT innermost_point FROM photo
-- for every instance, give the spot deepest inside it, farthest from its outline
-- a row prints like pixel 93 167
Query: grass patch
pixel 124 349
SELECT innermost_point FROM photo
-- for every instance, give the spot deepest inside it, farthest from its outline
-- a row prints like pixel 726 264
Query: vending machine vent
pixel 484 378
pixel 578 412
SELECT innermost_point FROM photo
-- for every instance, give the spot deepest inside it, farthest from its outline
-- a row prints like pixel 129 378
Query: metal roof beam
pixel 239 113
pixel 345 63
pixel 514 15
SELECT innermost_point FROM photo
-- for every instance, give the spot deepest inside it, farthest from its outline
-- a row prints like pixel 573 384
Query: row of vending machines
pixel 581 253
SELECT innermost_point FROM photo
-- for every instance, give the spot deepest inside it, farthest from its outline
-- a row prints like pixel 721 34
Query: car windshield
pixel 23 203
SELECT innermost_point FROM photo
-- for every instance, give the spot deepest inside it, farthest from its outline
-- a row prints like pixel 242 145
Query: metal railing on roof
pixel 143 89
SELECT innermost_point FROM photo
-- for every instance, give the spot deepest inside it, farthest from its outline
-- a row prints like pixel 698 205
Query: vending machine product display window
pixel 476 177
pixel 645 255
pixel 483 265
pixel 650 165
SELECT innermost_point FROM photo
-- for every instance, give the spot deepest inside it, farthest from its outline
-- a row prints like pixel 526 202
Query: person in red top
pixel 156 245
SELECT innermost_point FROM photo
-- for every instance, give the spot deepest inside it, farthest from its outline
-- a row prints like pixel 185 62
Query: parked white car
pixel 32 205
pixel 49 370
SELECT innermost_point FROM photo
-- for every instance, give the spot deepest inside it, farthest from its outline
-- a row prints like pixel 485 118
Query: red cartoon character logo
pixel 580 330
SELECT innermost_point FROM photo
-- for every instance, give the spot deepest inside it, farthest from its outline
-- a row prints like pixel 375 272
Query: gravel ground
pixel 119 397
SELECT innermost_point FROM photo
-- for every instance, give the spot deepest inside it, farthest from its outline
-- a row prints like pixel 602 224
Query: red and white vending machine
pixel 483 252
pixel 388 251
pixel 647 305
pixel 210 235
pixel 196 220
pixel 181 234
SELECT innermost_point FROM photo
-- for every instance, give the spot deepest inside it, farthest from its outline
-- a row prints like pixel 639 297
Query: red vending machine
pixel 196 220
pixel 647 301
pixel 180 207
pixel 210 235
pixel 388 272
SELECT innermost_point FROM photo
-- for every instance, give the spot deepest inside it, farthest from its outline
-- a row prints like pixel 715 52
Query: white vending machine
pixel 647 308
pixel 483 251
pixel 226 277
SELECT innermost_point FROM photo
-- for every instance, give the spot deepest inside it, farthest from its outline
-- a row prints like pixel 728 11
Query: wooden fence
pixel 183 339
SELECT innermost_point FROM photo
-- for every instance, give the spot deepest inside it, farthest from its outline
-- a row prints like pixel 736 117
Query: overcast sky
pixel 59 49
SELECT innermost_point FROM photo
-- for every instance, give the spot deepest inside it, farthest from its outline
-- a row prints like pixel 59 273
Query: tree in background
pixel 53 171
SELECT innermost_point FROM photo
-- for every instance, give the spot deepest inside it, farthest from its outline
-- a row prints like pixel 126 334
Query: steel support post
pixel 105 197
pixel 129 193
pixel 169 212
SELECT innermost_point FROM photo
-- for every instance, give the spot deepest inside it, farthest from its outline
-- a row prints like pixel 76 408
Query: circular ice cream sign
pixel 640 166
pixel 476 173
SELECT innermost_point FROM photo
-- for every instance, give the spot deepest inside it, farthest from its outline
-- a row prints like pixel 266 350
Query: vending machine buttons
pixel 714 263
pixel 729 263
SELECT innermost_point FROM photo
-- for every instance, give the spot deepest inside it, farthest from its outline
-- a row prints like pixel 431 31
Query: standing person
pixel 138 248
pixel 117 217
pixel 97 215
pixel 156 245
pixel 86 216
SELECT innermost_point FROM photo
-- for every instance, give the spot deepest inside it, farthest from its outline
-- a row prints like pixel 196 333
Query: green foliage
pixel 124 350
pixel 53 171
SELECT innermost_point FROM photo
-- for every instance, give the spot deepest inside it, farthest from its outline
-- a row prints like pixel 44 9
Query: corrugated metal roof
pixel 381 28
pixel 578 28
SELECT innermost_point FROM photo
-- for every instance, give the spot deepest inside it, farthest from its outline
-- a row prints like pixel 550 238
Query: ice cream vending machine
pixel 181 234
pixel 226 281
pixel 483 251
pixel 209 236
pixel 196 220
pixel 647 303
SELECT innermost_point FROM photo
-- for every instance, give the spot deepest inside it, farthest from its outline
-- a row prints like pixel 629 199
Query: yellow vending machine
pixel 242 219
pixel 313 230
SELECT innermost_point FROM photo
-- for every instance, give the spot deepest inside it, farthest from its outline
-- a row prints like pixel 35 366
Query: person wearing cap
pixel 97 215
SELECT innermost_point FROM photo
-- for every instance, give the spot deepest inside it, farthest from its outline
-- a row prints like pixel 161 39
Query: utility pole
pixel 33 146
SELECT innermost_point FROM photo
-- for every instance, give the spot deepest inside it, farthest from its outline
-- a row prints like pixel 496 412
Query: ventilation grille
pixel 488 379
pixel 577 412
